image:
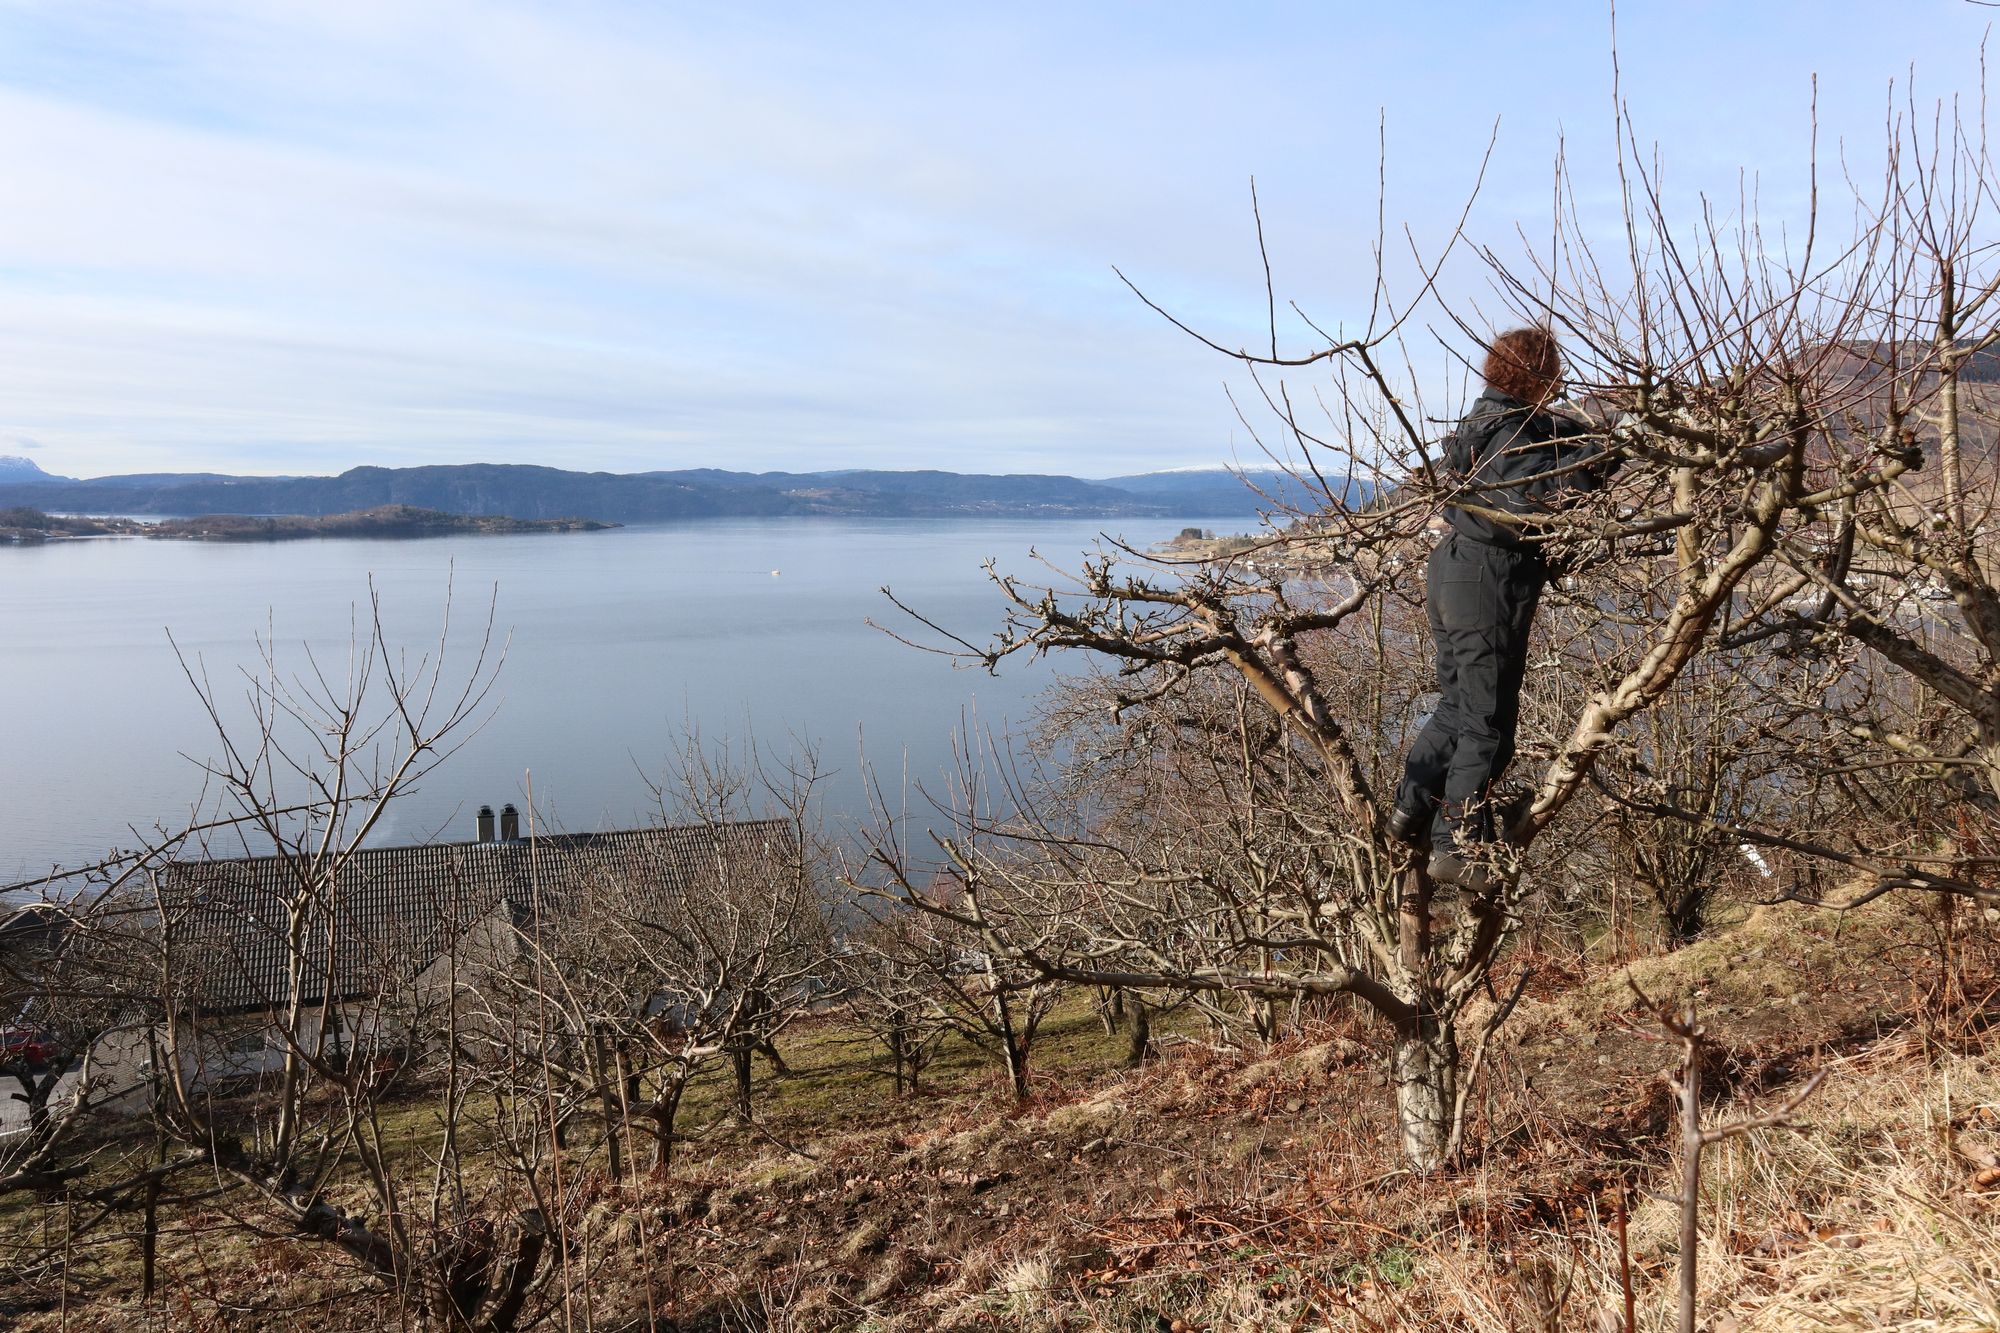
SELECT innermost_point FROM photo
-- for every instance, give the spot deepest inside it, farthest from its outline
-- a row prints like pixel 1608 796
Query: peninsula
pixel 26 525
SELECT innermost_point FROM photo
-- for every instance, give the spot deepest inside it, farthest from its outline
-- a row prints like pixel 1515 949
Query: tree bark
pixel 1264 1019
pixel 149 1238
pixel 1424 1063
pixel 1017 1067
pixel 1139 1032
pixel 1013 1047
pixel 1691 1146
pixel 899 1052
pixel 663 1126
pixel 602 1071
pixel 740 1058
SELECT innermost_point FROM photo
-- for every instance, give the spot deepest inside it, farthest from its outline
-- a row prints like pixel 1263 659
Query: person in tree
pixel 1517 462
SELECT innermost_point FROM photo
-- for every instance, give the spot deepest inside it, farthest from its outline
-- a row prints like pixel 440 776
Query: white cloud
pixel 292 237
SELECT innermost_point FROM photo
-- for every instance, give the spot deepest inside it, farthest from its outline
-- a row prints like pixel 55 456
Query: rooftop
pixel 390 912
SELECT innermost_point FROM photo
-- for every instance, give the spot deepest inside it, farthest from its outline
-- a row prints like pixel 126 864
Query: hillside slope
pixel 1226 1188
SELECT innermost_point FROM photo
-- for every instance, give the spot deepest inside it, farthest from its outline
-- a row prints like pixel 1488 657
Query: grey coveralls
pixel 1483 583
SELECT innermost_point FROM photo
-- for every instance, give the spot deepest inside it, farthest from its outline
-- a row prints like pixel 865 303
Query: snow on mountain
pixel 14 468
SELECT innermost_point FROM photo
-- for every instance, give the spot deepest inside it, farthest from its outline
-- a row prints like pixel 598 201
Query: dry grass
pixel 1240 1190
pixel 1881 1216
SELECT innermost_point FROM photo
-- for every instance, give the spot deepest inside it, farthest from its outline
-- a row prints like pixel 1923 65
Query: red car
pixel 31 1045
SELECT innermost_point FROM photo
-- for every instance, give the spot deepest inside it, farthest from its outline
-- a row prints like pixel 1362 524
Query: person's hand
pixel 1907 450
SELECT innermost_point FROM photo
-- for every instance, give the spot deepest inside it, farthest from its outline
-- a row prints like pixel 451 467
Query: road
pixel 14 1108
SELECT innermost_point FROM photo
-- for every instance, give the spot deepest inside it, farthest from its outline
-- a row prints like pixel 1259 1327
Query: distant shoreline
pixel 23 526
pixel 532 492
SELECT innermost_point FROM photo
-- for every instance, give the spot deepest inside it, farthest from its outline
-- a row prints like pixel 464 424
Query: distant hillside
pixel 921 493
pixel 547 493
pixel 1866 360
pixel 1221 491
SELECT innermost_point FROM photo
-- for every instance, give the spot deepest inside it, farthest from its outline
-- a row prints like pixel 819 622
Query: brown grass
pixel 1235 1189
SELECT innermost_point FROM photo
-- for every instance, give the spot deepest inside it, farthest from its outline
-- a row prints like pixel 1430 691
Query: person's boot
pixel 1410 827
pixel 1459 861
pixel 1453 868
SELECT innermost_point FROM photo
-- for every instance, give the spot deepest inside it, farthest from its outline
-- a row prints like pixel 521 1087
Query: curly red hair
pixel 1524 364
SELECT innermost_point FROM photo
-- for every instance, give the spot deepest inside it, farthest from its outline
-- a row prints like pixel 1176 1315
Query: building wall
pixel 216 1053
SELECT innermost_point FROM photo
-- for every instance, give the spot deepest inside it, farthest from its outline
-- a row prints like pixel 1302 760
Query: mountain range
pixel 526 491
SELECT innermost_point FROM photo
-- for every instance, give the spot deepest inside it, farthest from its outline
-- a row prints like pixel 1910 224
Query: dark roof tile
pixel 393 911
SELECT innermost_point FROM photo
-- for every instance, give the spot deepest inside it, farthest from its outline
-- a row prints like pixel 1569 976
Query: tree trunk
pixel 1685 916
pixel 1111 1008
pixel 149 1237
pixel 740 1057
pixel 663 1125
pixel 602 1072
pixel 1017 1066
pixel 1013 1047
pixel 625 1088
pixel 899 1052
pixel 1425 1066
pixel 37 1090
pixel 1691 1145
pixel 1139 1032
pixel 1264 1019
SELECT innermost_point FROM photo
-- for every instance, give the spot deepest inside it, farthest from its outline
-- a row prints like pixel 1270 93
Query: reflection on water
pixel 616 642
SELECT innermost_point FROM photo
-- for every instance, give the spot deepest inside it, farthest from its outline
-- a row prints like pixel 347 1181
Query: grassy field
pixel 1253 1188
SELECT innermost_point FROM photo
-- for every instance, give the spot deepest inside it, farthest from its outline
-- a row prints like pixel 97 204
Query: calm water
pixel 619 640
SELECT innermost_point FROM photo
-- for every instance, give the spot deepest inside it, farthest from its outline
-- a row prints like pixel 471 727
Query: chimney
pixel 486 823
pixel 510 824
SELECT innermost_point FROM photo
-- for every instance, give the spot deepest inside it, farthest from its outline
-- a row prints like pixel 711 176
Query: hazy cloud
pixel 293 237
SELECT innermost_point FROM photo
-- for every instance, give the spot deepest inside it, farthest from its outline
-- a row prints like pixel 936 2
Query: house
pixel 368 946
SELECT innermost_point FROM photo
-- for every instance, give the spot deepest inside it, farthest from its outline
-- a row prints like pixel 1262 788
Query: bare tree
pixel 204 966
pixel 1713 363
pixel 1906 572
pixel 889 989
pixel 1696 1049
pixel 66 994
pixel 923 975
pixel 643 967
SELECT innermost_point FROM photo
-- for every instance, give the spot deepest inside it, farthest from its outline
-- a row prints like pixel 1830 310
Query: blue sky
pixel 296 236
